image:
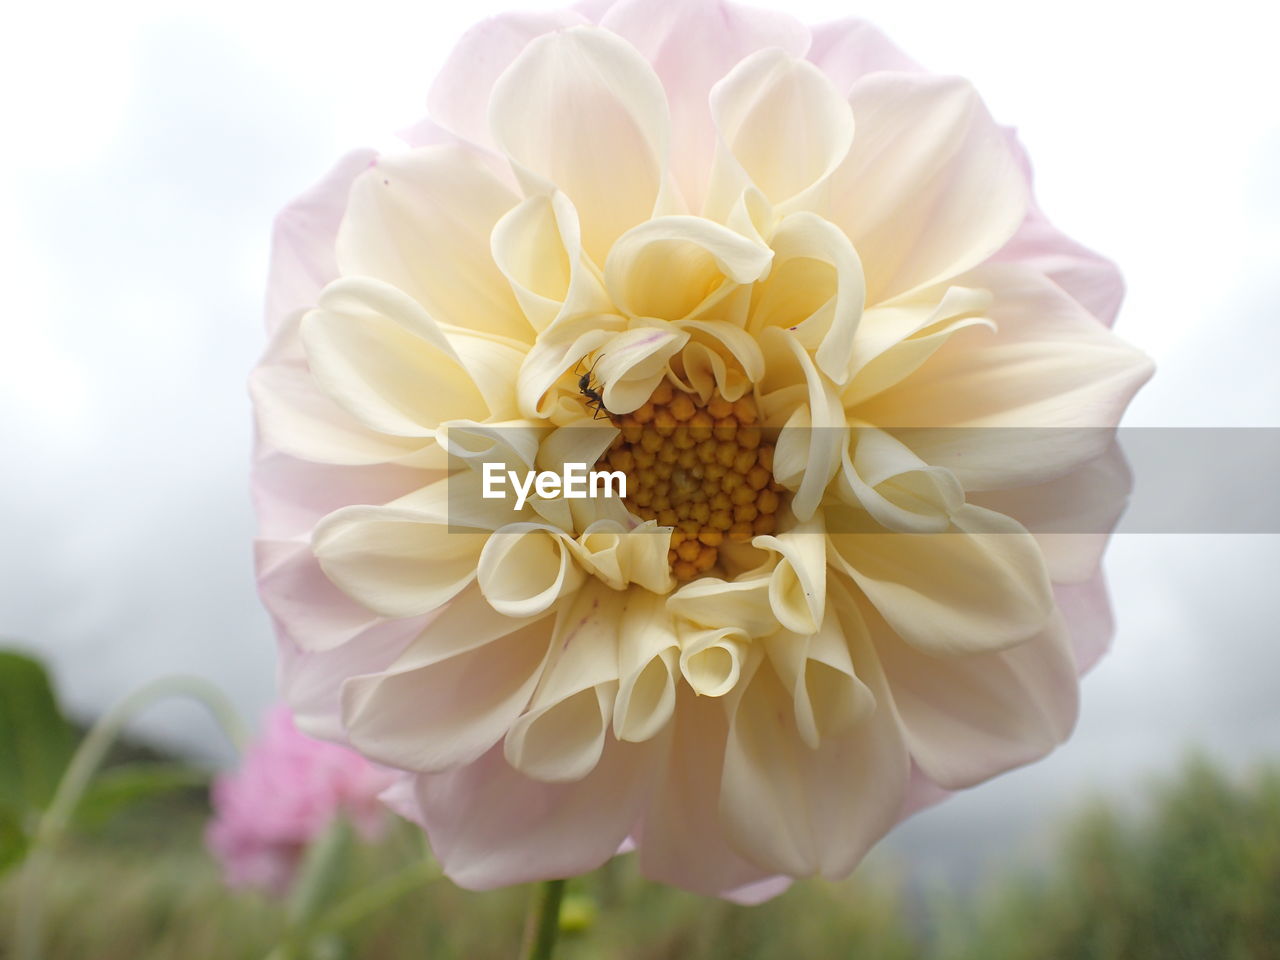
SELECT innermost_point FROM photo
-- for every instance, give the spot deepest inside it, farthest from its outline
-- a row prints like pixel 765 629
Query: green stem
pixel 85 762
pixel 544 921
pixel 372 899
pixel 360 905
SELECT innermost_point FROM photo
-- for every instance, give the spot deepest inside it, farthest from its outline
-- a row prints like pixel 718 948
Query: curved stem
pixel 373 898
pixel 544 921
pixel 85 762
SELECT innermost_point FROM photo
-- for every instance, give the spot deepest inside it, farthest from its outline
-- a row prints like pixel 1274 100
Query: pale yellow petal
pixel 677 267
pixel 582 111
pixel 538 247
pixel 421 221
pixel 376 352
pixel 782 124
pixel 930 187
pixel 981 587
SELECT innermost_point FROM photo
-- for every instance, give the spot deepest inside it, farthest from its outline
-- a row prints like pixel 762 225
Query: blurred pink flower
pixel 730 212
pixel 287 792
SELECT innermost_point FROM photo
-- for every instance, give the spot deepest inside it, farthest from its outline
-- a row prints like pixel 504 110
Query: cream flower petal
pixel 562 735
pixel 421 222
pixel 712 661
pixel 619 554
pixel 295 417
pixel 459 98
pixel 798 584
pixel 490 826
pixel 810 442
pixel 311 680
pixel 894 340
pixel 682 839
pixel 380 355
pixel 296 494
pixel 782 126
pixel 930 187
pixel 705 366
pixel 691 46
pixel 709 602
pixel 609 115
pixel 1072 516
pixel 980 588
pixel 903 493
pixel 673 268
pixel 970 718
pixel 412 555
pixel 310 611
pixel 1050 371
pixel 824 807
pixel 538 248
pixel 442 705
pixel 524 568
pixel 559 350
pixel 633 363
pixel 818 674
pixel 816 289
pixel 648 651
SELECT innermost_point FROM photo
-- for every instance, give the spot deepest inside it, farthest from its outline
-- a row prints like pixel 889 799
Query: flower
pixel 794 287
pixel 286 794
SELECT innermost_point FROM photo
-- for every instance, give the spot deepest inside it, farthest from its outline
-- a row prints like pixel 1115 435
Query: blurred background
pixel 151 143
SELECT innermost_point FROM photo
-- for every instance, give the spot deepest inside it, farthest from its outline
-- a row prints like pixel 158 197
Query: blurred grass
pixel 1194 876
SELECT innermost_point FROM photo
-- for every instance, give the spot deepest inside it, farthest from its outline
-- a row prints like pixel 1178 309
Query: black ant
pixel 593 395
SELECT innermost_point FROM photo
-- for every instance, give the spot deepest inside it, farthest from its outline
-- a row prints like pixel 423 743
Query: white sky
pixel 151 143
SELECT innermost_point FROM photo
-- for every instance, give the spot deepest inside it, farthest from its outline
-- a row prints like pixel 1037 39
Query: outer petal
pixel 682 840
pixel 1089 277
pixel 1050 371
pixel 1086 610
pixel 389 364
pixel 421 221
pixel 308 609
pixel 970 718
pixel 459 97
pixel 979 588
pixel 692 45
pixel 311 681
pixel 799 810
pixel 582 111
pixel 452 694
pixel 302 257
pixel 490 826
pixel 847 50
pixel 930 188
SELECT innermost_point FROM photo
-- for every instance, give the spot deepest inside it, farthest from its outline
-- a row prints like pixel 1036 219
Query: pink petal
pixel 1086 607
pixel 849 49
pixel 490 826
pixel 692 45
pixel 1093 280
pixel 459 99
pixel 302 245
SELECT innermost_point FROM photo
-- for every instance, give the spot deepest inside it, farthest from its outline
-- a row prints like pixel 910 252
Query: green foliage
pixel 122 787
pixel 1198 878
pixel 1195 874
pixel 35 739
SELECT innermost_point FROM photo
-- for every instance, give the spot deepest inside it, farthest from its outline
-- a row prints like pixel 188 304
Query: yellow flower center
pixel 704 468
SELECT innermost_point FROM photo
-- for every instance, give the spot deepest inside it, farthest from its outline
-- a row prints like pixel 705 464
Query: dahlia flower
pixel 287 792
pixel 794 288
